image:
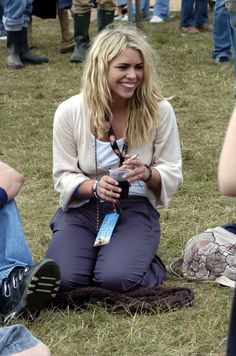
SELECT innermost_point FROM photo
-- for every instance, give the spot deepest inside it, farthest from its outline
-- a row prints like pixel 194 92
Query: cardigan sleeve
pixel 67 176
pixel 167 155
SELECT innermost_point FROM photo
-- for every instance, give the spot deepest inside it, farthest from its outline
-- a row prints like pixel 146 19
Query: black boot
pixel 81 28
pixel 25 53
pixel 105 18
pixel 13 49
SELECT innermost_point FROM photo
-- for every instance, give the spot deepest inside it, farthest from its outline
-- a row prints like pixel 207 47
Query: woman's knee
pixel 117 280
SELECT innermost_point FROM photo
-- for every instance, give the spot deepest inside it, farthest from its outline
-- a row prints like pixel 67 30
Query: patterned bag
pixel 210 256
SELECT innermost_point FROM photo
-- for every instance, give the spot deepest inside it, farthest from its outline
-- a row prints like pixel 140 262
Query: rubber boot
pixel 104 19
pixel 67 37
pixel 25 53
pixel 13 49
pixel 81 28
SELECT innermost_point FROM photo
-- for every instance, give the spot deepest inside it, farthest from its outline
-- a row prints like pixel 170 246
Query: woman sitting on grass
pixel 119 113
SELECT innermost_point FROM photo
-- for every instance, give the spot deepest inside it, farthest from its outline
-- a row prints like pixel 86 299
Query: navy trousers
pixel 231 347
pixel 127 262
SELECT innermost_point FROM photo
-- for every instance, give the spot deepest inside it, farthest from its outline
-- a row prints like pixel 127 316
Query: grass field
pixel 203 101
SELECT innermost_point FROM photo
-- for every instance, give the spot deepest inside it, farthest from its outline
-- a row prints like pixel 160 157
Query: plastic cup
pixel 118 174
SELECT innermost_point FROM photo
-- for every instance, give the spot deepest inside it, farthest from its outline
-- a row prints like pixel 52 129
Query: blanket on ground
pixel 139 300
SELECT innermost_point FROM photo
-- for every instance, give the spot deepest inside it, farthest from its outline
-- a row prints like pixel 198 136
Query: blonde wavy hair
pixel 142 112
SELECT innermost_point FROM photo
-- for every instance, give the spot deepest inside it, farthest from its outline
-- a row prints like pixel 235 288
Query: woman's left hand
pixel 138 169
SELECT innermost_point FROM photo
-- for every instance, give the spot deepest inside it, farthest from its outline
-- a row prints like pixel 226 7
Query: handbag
pixel 209 256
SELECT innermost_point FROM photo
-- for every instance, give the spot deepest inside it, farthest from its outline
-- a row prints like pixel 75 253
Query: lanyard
pixel 120 153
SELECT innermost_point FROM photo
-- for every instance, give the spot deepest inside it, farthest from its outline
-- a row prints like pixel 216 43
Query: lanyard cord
pixel 96 177
pixel 120 153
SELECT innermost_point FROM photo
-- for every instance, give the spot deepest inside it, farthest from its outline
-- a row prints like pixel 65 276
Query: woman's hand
pixel 138 169
pixel 107 189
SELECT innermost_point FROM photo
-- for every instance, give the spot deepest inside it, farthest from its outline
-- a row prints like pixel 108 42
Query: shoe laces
pixel 14 280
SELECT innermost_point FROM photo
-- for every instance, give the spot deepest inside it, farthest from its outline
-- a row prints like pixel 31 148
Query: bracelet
pixel 3 197
pixel 94 189
pixel 149 172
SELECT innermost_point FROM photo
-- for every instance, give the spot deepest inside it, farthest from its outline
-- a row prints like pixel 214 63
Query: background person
pixel 120 112
pixel 16 20
pixel 194 16
pixel 161 12
pixel 57 8
pixel 81 15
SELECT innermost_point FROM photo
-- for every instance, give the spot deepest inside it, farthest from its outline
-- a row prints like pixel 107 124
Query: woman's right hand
pixel 108 189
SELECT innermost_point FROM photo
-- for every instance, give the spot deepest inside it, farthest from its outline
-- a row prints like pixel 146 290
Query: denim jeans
pixel 221 31
pixel 15 338
pixel 145 4
pixel 14 250
pixel 16 14
pixel 231 8
pixel 162 9
pixel 194 15
pixel 2 29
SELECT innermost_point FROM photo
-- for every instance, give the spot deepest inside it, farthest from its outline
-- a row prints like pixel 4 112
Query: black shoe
pixel 222 60
pixel 29 289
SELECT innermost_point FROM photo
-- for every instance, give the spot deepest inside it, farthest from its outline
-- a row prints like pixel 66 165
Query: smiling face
pixel 125 73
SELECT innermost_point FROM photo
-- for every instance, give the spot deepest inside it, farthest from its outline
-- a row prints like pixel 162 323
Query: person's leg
pixel 162 9
pixel 25 288
pixel 81 10
pixel 13 20
pixel 130 260
pixel 105 13
pixel 221 33
pixel 201 15
pixel 3 33
pixel 25 54
pixel 145 4
pixel 187 13
pixel 17 340
pixel 13 17
pixel 231 7
pixel 14 250
pixel 16 20
pixel 67 37
pixel 74 232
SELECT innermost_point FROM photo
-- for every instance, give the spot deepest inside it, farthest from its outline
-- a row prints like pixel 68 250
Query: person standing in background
pixel 81 15
pixel 161 11
pixel 194 17
pixel 16 17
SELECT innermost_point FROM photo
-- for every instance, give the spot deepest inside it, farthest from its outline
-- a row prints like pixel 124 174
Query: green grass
pixel 203 101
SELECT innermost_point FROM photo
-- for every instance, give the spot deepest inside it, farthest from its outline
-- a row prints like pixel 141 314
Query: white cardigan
pixel 74 156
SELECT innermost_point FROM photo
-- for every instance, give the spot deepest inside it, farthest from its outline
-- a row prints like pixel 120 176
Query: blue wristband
pixel 77 193
pixel 3 197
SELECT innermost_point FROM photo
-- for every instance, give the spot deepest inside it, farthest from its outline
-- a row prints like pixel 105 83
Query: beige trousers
pixel 82 6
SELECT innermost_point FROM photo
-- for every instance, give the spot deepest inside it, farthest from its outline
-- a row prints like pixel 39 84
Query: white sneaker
pixel 156 19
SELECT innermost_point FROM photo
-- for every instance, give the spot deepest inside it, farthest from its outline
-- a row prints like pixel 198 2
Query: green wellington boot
pixel 25 54
pixel 105 18
pixel 81 28
pixel 13 49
